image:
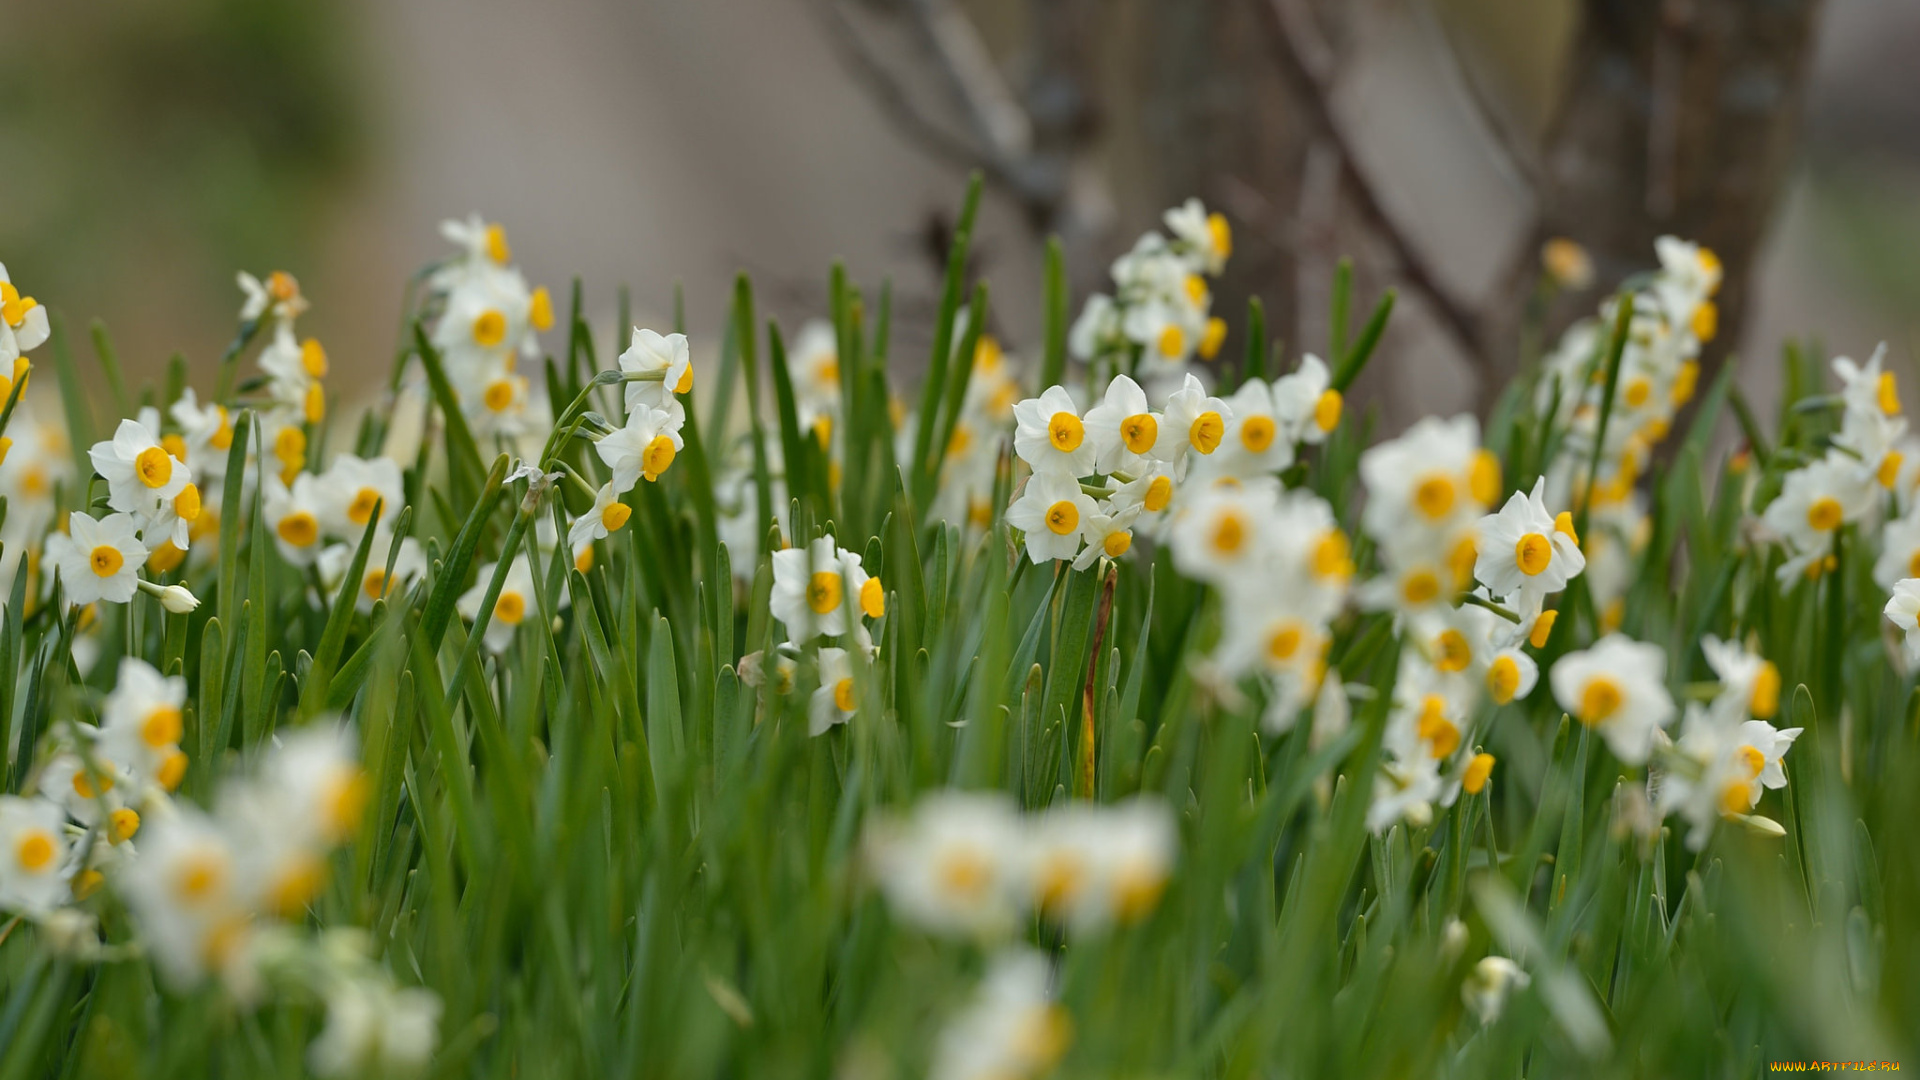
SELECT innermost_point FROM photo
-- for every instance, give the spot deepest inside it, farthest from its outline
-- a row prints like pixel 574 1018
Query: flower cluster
pixel 823 590
pixel 1728 750
pixel 489 321
pixel 1159 315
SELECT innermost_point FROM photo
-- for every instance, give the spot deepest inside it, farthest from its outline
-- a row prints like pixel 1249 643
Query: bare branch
pixel 1305 53
pixel 1513 152
pixel 990 101
pixel 890 95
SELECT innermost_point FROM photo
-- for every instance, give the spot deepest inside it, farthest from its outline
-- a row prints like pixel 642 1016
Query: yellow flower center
pixel 1256 433
pixel 1455 654
pixel 964 872
pixel 153 467
pixel 497 248
pixel 843 695
pixel 186 505
pixel 1327 408
pixel 1752 760
pixel 1065 431
pixel 1196 289
pixel 1706 321
pixel 489 328
pixel 1136 892
pixel 510 608
pixel 1063 517
pixel 298 528
pixel 1483 477
pixel 1542 626
pixel 1173 342
pixel 161 727
pixel 685 385
pixel 498 396
pixel 295 885
pixel 1284 641
pixel 1333 556
pixel 199 876
pixel 1765 700
pixel 106 560
pixel 873 598
pixel 282 286
pixel 374 584
pixel 1229 533
pixel 823 592
pixel 84 786
pixel 1638 390
pixel 1117 543
pixel 1206 431
pixel 1220 233
pixel 1563 524
pixel 1503 679
pixel 172 770
pixel 583 562
pixel 1433 496
pixel 1420 587
pixel 315 406
pixel 1533 552
pixel 121 825
pixel 289 445
pixel 344 797
pixel 33 850
pixel 1600 699
pixel 540 309
pixel 1479 771
pixel 1824 514
pixel 615 516
pixel 1159 494
pixel 1139 432
pixel 1889 394
pixel 1440 733
pixel 313 358
pixel 360 510
pixel 658 457
pixel 1685 382
pixel 1889 472
pixel 1212 337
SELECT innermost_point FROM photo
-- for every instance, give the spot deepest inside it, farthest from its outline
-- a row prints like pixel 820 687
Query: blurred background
pixel 153 149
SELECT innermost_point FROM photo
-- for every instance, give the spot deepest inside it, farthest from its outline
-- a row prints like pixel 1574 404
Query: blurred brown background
pixel 153 149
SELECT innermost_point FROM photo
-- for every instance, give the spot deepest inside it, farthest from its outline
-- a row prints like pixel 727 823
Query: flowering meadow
pixel 1117 705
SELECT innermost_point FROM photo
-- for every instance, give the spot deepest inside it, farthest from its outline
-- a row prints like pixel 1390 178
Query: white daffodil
pixel 1428 482
pixel 836 698
pixel 141 724
pixel 1258 439
pixel 1097 331
pixel 1152 491
pixel 510 608
pixel 293 514
pixel 1050 436
pixel 183 890
pixel 1054 513
pixel 1193 421
pixel 1092 867
pixel 279 296
pixel 1903 610
pixel 1487 987
pixel 644 447
pixel 814 361
pixel 1511 675
pixel 23 322
pixel 91 791
pixel 1224 534
pixel 1618 687
pixel 33 854
pixel 376 582
pixel 1868 389
pixel 1304 399
pixel 501 407
pixel 956 865
pixel 98 560
pixel 1122 429
pixel 822 589
pixel 1524 549
pixel 1814 502
pixel 1264 633
pixel 1206 238
pixel 1108 535
pixel 1749 682
pixel 663 357
pixel 375 1029
pixel 1899 550
pixel 1012 1029
pixel 607 515
pixel 140 473
pixel 352 488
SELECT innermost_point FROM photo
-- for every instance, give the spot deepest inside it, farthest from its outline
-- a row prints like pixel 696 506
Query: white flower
pixel 293 514
pixel 1306 402
pixel 279 294
pixel 89 790
pixel 644 446
pixel 1486 988
pixel 353 487
pixel 1903 610
pixel 1899 551
pixel 139 472
pixel 1749 682
pixel 1054 513
pixel 373 1028
pixel 607 515
pixel 1813 503
pixel 408 565
pixel 510 608
pixel 1868 390
pixel 1259 439
pixel 1619 688
pixel 141 723
pixel 956 865
pixel 656 354
pixel 1222 536
pixel 1121 429
pixel 183 892
pixel 23 323
pixel 98 560
pixel 822 589
pixel 33 853
pixel 1095 332
pixel 1427 482
pixel 1095 866
pixel 1050 436
pixel 1011 1030
pixel 836 699
pixel 1107 534
pixel 1206 237
pixel 1723 765
pixel 1193 420
pixel 1523 549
